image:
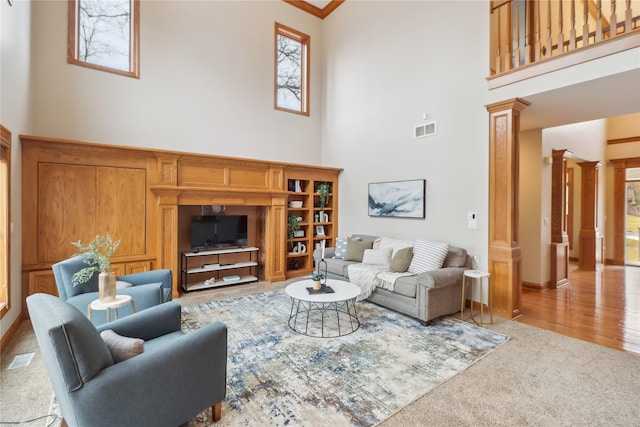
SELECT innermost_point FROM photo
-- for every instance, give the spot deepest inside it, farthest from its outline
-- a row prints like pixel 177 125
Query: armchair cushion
pixel 64 271
pixel 122 348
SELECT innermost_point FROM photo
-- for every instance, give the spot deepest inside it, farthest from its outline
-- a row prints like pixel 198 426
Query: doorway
pixel 632 217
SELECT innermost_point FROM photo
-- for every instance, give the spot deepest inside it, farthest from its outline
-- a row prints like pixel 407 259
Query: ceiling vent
pixel 427 129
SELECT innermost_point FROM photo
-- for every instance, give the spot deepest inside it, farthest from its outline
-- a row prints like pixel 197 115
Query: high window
pixel 5 218
pixel 291 70
pixel 104 34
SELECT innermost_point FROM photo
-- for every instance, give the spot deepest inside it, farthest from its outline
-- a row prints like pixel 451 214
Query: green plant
pixel 96 254
pixel 293 226
pixel 317 276
pixel 323 192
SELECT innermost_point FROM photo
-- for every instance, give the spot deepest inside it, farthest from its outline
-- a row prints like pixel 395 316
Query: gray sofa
pixel 424 296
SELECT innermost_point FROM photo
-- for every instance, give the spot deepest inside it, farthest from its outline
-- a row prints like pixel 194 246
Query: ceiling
pixel 319 8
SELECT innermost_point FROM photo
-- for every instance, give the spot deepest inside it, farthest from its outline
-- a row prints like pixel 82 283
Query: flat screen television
pixel 218 231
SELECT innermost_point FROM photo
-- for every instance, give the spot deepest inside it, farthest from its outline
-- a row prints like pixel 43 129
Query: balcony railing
pixel 525 32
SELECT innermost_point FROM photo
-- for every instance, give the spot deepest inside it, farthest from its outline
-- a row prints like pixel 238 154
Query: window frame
pixel 73 44
pixel 5 240
pixel 305 40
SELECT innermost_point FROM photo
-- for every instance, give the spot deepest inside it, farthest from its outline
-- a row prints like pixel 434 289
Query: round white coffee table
pixel 120 301
pixel 323 315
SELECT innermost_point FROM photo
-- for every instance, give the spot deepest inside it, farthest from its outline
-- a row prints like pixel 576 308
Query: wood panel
pixel 121 207
pixel 42 282
pixel 200 174
pixel 66 209
pixel 135 194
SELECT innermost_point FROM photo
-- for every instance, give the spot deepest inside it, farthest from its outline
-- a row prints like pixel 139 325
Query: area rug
pixel 278 377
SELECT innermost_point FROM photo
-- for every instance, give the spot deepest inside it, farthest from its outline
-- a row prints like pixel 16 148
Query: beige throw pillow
pixel 122 348
pixel 401 260
pixel 355 249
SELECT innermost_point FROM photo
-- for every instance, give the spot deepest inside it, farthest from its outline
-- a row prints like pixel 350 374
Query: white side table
pixel 120 301
pixel 481 275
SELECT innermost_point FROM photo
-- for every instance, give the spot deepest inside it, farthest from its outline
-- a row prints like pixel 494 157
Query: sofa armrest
pixel 150 323
pixel 443 277
pixel 154 276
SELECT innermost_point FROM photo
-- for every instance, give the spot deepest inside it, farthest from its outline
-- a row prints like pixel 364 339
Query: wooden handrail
pixel 528 31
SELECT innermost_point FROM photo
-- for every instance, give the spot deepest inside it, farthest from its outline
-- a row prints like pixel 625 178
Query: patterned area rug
pixel 278 377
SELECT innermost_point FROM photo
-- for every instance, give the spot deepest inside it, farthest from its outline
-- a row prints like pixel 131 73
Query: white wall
pixel 15 115
pixel 388 62
pixel 533 227
pixel 206 82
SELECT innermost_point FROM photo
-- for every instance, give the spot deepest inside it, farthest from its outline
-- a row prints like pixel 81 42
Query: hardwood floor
pixel 602 307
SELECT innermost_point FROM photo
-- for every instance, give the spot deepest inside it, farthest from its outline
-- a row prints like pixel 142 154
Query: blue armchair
pixel 176 376
pixel 149 288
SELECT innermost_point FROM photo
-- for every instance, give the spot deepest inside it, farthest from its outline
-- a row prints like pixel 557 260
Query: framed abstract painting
pixel 404 199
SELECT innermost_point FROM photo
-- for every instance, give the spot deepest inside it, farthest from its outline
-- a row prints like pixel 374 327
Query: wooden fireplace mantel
pixel 74 190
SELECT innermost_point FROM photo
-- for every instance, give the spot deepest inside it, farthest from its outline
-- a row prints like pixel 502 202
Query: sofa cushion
pixel 427 256
pixel 380 257
pixel 339 267
pixel 456 257
pixel 356 248
pixel 122 348
pixel 341 248
pixel 401 261
pixel 394 244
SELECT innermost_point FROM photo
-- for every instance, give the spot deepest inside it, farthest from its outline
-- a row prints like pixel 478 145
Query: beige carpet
pixel 538 378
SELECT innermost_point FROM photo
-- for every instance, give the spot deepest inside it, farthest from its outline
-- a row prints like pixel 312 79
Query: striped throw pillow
pixel 427 256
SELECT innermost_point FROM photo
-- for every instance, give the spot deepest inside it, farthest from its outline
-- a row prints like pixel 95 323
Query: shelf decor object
pixel 403 199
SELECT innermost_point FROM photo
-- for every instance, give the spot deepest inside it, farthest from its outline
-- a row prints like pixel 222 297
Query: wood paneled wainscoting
pixel 74 190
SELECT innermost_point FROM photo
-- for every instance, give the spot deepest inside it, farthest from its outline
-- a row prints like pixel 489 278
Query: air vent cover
pixel 427 129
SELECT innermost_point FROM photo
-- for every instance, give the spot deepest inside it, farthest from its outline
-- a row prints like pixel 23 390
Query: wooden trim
pixel 314 10
pixel 535 286
pixel 5 140
pixel 584 54
pixel 619 206
pixel 623 140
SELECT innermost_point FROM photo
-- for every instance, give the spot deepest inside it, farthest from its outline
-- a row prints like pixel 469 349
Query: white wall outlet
pixel 472 220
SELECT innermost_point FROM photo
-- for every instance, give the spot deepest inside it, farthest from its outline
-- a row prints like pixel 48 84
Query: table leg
pixel 481 301
pixel 89 311
pixel 464 290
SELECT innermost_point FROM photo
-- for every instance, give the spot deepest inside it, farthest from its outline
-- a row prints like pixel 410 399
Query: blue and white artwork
pixel 397 198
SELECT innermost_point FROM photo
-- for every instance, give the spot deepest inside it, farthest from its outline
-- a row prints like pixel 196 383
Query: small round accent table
pixel 323 315
pixel 120 301
pixel 480 275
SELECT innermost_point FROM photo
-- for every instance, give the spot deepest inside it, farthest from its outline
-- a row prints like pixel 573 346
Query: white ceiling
pixel 319 4
pixel 614 96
